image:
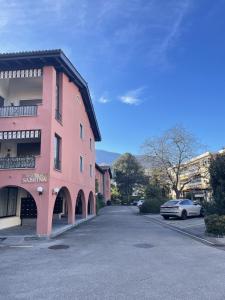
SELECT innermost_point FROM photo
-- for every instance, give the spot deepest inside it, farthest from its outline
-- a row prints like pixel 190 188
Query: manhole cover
pixel 143 245
pixel 58 247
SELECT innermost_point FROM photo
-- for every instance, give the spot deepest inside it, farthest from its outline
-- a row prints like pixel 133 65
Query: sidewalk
pixel 22 235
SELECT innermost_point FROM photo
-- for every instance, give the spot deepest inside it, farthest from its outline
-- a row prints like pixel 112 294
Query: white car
pixel 181 208
pixel 140 202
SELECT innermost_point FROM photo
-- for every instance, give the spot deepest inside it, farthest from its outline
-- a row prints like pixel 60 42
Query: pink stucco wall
pixel 104 183
pixel 73 113
pixel 107 183
pixel 99 178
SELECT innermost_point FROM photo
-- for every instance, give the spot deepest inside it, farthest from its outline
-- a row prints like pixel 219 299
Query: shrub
pixel 99 202
pixel 217 181
pixel 215 224
pixel 151 206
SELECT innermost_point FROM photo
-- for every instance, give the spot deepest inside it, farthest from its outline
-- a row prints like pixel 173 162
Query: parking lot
pixel 193 227
pixel 118 255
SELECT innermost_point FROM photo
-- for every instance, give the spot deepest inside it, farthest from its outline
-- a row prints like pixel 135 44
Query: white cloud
pixel 132 97
pixel 103 100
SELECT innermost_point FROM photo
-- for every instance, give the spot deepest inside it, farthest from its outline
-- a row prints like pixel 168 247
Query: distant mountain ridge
pixel 106 157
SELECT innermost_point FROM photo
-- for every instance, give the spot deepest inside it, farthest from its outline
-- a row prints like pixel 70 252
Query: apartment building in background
pixel 196 173
pixel 48 131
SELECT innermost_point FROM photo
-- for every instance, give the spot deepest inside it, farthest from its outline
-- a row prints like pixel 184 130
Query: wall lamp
pixel 55 190
pixel 40 190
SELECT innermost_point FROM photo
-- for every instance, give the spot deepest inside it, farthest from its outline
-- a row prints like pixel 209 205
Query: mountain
pixel 108 158
pixel 105 157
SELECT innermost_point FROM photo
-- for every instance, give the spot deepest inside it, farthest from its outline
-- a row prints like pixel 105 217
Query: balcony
pixel 18 111
pixel 27 162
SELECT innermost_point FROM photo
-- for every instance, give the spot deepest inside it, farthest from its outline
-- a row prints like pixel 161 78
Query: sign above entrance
pixel 20 134
pixel 21 73
pixel 34 178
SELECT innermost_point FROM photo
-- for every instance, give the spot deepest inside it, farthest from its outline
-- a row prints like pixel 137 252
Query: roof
pixel 56 58
pixel 99 168
pixel 106 168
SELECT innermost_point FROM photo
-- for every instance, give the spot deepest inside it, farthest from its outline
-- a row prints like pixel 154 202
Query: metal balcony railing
pixel 27 162
pixel 18 111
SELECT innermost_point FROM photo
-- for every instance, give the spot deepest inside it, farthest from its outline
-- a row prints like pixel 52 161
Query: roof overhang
pixel 57 59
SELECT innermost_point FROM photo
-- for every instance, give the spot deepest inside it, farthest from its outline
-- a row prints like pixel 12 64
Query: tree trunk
pixel 177 194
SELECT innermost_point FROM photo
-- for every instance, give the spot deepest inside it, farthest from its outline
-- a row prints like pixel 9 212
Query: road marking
pixel 21 246
pixel 193 225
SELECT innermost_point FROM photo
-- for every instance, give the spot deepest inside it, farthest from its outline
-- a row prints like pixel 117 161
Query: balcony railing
pixel 18 111
pixel 27 162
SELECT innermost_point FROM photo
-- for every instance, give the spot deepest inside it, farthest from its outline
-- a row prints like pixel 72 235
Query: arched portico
pixel 91 203
pixel 62 210
pixel 80 208
pixel 18 209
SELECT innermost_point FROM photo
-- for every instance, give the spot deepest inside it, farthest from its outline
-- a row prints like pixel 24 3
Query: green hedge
pixel 99 202
pixel 215 224
pixel 151 206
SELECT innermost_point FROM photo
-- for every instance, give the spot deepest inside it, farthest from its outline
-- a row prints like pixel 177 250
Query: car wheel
pixel 166 217
pixel 184 215
pixel 202 212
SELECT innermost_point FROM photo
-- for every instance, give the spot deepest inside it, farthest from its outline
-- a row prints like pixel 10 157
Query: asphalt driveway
pixel 118 255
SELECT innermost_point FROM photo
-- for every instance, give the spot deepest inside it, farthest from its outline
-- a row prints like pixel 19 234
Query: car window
pixel 171 202
pixel 185 202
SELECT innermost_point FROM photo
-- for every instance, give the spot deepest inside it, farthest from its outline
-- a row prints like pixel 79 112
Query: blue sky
pixel 150 64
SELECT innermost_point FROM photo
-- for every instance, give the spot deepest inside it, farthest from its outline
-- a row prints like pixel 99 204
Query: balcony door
pixel 1 101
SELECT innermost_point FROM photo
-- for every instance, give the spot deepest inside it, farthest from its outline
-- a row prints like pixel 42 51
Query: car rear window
pixel 171 202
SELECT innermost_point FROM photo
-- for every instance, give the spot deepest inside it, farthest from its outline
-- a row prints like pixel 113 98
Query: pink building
pixel 103 178
pixel 48 131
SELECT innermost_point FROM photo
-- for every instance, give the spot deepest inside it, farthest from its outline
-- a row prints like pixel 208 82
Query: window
pixel 57 152
pixel 81 131
pixel 185 202
pixel 58 100
pixel 90 143
pixel 91 171
pixel 81 164
pixel 1 101
pixel 30 102
pixel 8 202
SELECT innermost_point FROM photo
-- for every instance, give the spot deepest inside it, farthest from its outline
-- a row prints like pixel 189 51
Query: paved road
pixel 118 255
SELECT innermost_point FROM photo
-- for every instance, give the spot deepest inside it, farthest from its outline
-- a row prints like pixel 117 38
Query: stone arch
pixel 80 208
pixel 91 203
pixel 19 208
pixel 62 209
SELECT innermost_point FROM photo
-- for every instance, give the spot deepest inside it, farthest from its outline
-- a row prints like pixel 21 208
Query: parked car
pixel 135 202
pixel 181 208
pixel 140 202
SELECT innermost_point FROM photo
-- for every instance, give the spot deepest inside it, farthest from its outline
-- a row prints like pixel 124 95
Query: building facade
pixel 103 176
pixel 196 173
pixel 48 131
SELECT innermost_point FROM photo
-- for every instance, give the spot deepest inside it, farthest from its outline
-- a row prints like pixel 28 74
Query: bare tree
pixel 169 154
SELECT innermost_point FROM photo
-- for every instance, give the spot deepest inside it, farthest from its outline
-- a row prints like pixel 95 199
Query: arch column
pixel 44 217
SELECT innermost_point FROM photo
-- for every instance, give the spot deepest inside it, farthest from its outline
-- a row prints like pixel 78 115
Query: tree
pixel 217 181
pixel 169 153
pixel 115 194
pixel 128 175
